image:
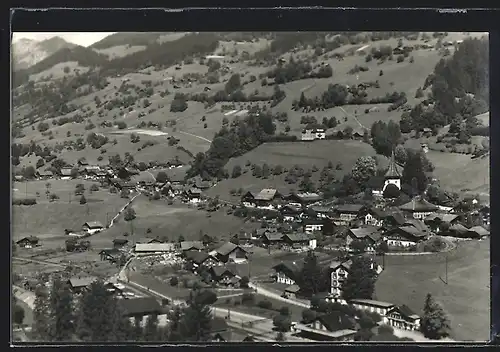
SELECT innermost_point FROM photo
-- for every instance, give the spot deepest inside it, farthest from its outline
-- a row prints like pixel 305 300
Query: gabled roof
pixel 412 231
pixel 32 239
pixel 297 237
pixel 196 256
pixel 441 216
pixel 336 321
pixel 349 208
pixel 371 302
pixel 45 173
pixel 140 306
pixel 479 230
pixel 418 205
pixel 266 194
pixel 364 232
pixel 228 248
pixel 336 264
pixel 221 270
pixel 397 217
pixel 405 311
pixel 111 251
pixel 186 245
pixel 320 209
pixel 120 241
pixel 194 190
pixel 154 247
pixel 273 236
pixel 81 282
pixel 377 212
pixel 66 172
pixel 459 228
pixel 93 224
pixel 419 225
pixel 289 269
pixel 292 288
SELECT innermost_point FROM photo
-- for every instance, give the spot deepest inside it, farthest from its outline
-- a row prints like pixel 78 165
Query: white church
pixel 392 176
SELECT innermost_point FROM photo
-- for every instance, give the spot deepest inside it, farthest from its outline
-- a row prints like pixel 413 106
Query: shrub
pixel 265 304
pixel 248 298
pixel 26 201
pixel 174 281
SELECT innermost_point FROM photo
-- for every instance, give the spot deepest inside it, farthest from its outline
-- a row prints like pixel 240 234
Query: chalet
pixel 394 219
pixel 358 133
pixel 78 285
pixel 286 273
pixel 313 134
pixel 322 212
pixel 141 307
pixel 402 317
pixel 242 238
pixel 369 235
pixel 122 185
pixel 348 212
pixel 193 195
pixel 270 238
pixel 436 220
pixel 299 240
pixel 458 230
pixel 264 198
pixel 418 208
pixel 191 245
pixel 119 243
pixel 66 173
pixel 334 326
pixel 339 270
pixel 404 236
pixel 477 232
pixel 303 198
pixel 91 171
pixel 199 259
pixel 20 178
pixel 29 242
pixel 223 274
pixel 83 162
pixel 313 225
pixel 92 227
pixel 44 174
pixel 219 330
pixel 177 179
pixel 148 248
pixel 112 254
pixel 369 305
pixel 374 217
pixel 417 224
pixel 291 291
pixel 231 252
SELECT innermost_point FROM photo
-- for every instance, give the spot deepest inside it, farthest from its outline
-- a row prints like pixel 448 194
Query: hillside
pixel 27 53
pixel 143 83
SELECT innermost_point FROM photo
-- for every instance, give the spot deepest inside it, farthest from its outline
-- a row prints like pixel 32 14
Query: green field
pixel 466 297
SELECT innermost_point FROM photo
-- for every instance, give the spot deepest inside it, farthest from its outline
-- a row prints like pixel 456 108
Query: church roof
pixel 393 170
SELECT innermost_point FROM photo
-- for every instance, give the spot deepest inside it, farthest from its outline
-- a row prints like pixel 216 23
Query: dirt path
pixel 353 116
pixel 264 292
pixel 193 135
pixel 122 209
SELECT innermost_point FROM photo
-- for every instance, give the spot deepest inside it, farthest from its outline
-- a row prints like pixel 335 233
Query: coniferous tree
pixel 435 323
pixel 311 278
pixel 360 283
pixel 41 314
pixel 61 320
pixel 151 331
pixel 196 321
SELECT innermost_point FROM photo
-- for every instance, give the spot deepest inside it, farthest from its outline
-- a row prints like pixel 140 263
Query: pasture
pixel 465 297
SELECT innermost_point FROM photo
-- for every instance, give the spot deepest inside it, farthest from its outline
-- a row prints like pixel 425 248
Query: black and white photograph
pixel 283 187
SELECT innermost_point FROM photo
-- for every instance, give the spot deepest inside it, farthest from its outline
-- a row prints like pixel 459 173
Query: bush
pixel 284 310
pixel 244 282
pixel 26 201
pixel 174 281
pixel 381 73
pixel 400 59
pixel 385 329
pixel 94 188
pixel 248 298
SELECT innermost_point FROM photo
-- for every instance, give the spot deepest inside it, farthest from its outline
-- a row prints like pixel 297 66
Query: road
pixel 122 209
pixel 193 135
pixel 264 292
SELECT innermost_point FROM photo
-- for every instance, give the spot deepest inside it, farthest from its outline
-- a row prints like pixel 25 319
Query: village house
pixel 374 217
pixel 44 174
pixel 334 326
pixel 478 232
pixel 313 225
pixel 303 199
pixel 65 173
pixel 231 252
pixel 112 254
pixel 436 220
pixel 242 238
pixel 418 208
pixel 82 162
pixel 142 307
pixel 200 259
pixel 79 284
pixel 348 212
pixel 369 305
pixel 299 240
pixel 123 185
pixel 119 243
pixel 29 242
pixel 367 234
pixel 291 291
pixel 223 275
pixel 271 238
pixel 193 195
pixel 286 273
pixel 322 212
pixel 264 199
pixel 290 213
pixel 402 317
pixel 393 219
pixel 191 245
pixel 92 227
pixel 148 248
pixel 339 270
pixel 404 236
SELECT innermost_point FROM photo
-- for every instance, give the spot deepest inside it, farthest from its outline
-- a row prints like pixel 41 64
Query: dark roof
pixel 220 270
pixel 419 225
pixel 111 251
pixel 379 213
pixel 140 306
pixel 349 208
pixel 418 205
pixel 77 282
pixel 218 325
pixel 364 232
pixel 31 239
pixel 187 245
pixel 406 311
pixel 273 236
pixel 289 269
pixel 120 241
pixel 346 264
pixel 93 224
pixel 196 256
pixel 336 321
pixel 227 248
pixel 397 217
pixel 412 231
pixel 297 237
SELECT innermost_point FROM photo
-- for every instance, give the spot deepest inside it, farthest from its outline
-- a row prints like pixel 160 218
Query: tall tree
pixel 435 323
pixel 41 314
pixel 360 282
pixel 364 169
pixel 414 171
pixel 196 321
pixel 311 277
pixel 174 330
pixel 61 326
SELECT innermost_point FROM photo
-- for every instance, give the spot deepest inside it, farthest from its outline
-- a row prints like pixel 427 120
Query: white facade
pixel 337 277
pixel 283 279
pixel 311 135
pixel 400 243
pixel 312 244
pixel 92 230
pixel 382 311
pixel 371 220
pixel 392 181
pixel 421 215
pixel 313 227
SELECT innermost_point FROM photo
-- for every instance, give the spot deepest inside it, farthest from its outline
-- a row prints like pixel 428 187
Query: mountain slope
pixel 27 52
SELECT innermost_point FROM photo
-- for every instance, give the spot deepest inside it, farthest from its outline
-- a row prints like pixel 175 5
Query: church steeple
pixel 392 171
